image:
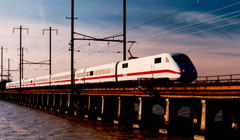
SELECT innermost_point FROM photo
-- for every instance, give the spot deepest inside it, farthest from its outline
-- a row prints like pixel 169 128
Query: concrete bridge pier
pixel 137 112
pixel 183 116
pixel 20 99
pixel 100 116
pixel 117 119
pixel 48 101
pixel 10 97
pixel 44 101
pixel 82 105
pixel 34 100
pixel 49 105
pixel 109 108
pixel 56 106
pixel 64 103
pixel 145 117
pixel 222 119
pixel 27 99
pixel 87 107
pixel 53 102
pixel 39 100
pixel 30 102
pixel 13 97
pixel 152 113
pixel 125 111
pixel 148 113
pixel 72 104
pixel 94 107
pixel 68 102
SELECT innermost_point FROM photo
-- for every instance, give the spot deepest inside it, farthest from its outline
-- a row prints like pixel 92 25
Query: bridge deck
pixel 219 90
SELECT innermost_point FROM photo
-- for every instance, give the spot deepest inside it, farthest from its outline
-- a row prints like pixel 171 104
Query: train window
pixel 91 73
pixel 158 60
pixel 125 65
pixel 102 71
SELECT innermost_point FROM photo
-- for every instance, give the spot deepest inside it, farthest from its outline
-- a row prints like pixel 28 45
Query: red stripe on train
pixel 153 72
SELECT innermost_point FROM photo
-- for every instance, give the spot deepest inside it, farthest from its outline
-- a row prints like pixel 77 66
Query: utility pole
pixel 72 55
pixel 2 63
pixel 50 47
pixel 21 59
pixel 72 45
pixel 124 30
pixel 9 69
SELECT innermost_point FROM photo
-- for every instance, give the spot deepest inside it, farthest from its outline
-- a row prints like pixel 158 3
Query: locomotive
pixel 171 66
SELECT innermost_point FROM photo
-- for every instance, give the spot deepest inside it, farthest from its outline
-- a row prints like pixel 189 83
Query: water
pixel 18 122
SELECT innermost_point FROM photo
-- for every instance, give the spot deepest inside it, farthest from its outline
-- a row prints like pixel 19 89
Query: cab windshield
pixel 181 59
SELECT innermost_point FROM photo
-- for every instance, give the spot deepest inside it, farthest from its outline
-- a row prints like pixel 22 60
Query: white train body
pixel 41 81
pixel 61 79
pixel 98 74
pixel 157 66
pixel 28 82
pixel 162 66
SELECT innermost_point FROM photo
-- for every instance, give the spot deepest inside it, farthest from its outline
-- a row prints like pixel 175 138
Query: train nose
pixel 183 71
pixel 188 75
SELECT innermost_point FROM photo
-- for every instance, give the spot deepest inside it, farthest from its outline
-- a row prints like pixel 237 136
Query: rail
pixel 232 78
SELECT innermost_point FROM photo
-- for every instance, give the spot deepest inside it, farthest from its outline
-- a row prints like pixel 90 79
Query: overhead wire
pixel 202 24
pixel 203 14
pixel 97 51
pixel 168 15
pixel 209 29
pixel 199 3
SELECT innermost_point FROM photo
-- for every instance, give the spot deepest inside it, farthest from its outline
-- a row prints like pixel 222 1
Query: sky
pixel 207 31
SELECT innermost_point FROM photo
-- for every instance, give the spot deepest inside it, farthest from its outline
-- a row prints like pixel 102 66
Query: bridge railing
pixel 219 78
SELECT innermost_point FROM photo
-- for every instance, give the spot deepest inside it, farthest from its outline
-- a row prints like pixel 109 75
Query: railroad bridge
pixel 208 107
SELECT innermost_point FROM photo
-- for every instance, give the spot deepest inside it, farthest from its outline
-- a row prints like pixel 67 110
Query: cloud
pixel 41 12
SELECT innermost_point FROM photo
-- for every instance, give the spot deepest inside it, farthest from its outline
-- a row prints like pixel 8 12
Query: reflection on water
pixel 26 123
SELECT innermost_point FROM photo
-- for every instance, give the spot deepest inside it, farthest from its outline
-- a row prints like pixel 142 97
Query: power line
pixel 191 26
pixel 219 9
pixel 168 15
pixel 97 51
pixel 209 29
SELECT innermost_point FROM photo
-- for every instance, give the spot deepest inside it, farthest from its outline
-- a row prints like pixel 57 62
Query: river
pixel 19 122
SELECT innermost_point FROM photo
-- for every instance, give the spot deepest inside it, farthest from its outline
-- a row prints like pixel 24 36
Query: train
pixel 171 66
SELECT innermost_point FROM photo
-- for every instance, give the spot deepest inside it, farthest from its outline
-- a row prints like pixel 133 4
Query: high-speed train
pixel 175 67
